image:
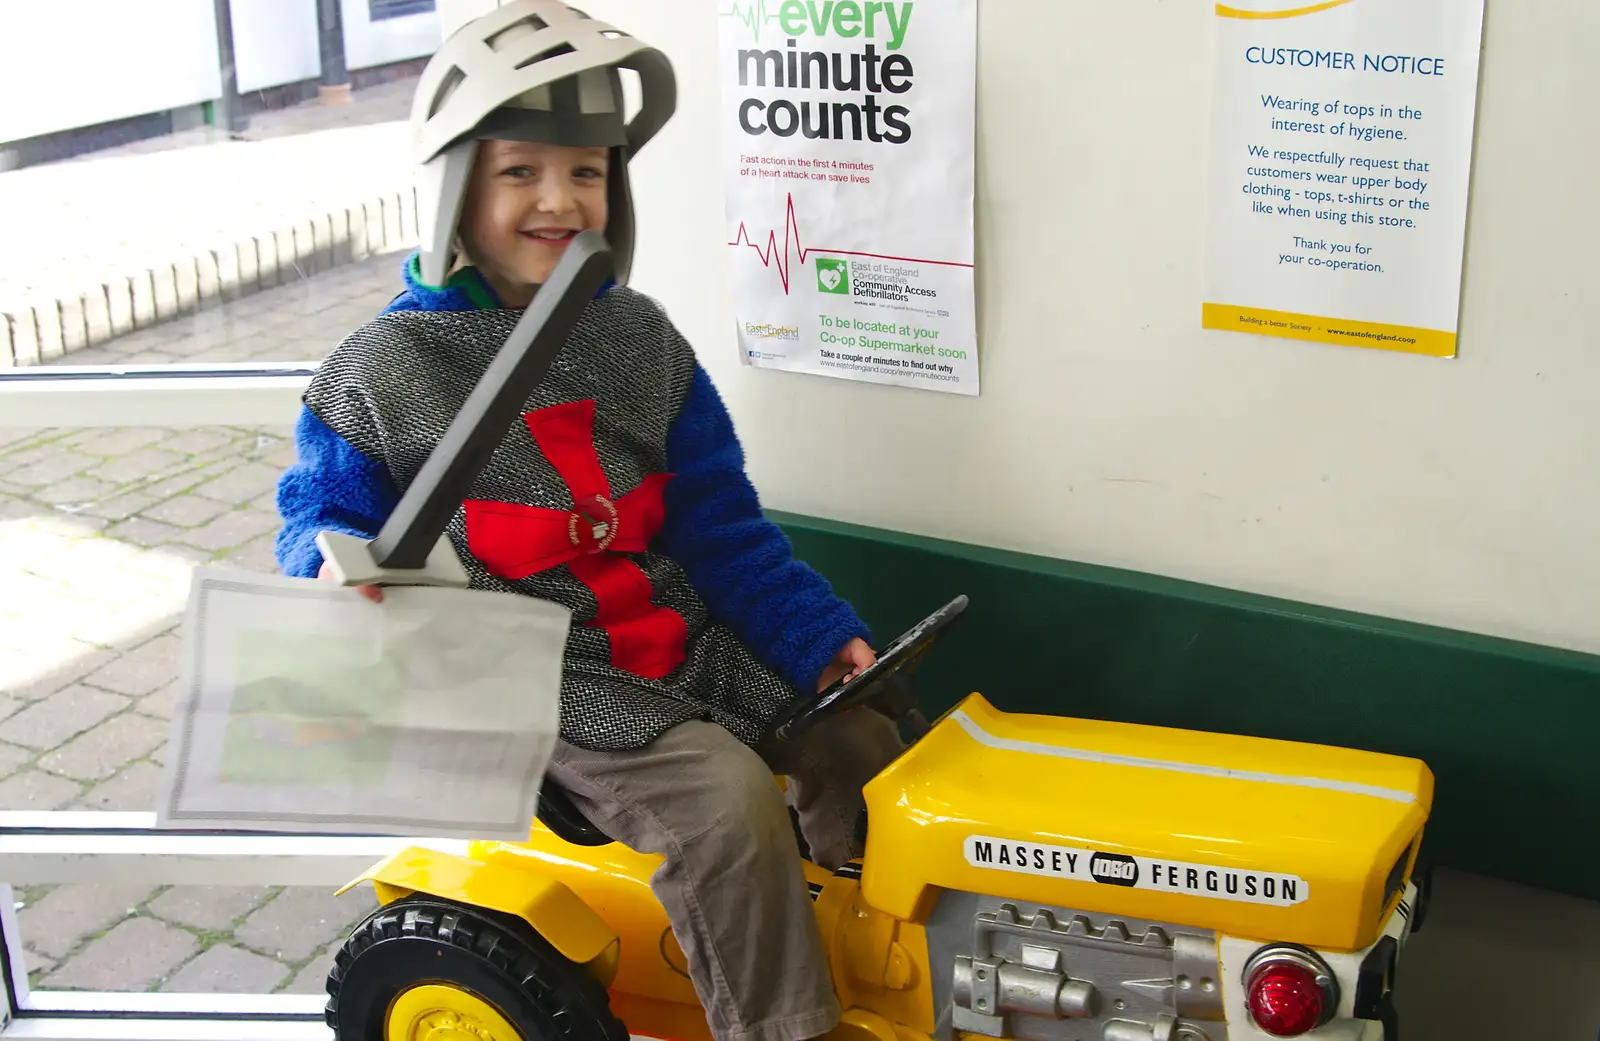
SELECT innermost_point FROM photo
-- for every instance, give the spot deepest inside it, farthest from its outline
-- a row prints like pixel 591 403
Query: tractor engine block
pixel 1006 969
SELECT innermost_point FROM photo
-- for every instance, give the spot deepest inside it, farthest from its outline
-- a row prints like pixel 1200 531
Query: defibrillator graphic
pixel 833 276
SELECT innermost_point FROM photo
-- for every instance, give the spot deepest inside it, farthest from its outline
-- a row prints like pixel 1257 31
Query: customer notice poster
pixel 849 179
pixel 1341 158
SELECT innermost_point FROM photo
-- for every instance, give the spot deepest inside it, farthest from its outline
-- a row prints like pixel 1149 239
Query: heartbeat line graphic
pixel 783 257
pixel 753 15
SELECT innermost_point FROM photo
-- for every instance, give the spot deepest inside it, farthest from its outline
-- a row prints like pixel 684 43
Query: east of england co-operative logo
pixel 766 331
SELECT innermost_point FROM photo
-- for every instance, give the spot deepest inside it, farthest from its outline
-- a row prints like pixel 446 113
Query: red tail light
pixel 1289 991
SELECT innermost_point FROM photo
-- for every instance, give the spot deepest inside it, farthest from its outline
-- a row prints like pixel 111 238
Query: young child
pixel 693 623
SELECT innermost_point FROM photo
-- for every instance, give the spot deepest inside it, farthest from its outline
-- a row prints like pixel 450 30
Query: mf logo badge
pixel 833 276
pixel 1115 869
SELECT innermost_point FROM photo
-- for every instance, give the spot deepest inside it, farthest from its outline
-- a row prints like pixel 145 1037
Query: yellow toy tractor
pixel 1032 877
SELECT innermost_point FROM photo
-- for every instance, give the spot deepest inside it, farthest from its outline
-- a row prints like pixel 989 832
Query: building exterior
pixel 99 73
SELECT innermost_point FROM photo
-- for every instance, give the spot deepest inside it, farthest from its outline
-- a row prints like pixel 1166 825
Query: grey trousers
pixel 731 883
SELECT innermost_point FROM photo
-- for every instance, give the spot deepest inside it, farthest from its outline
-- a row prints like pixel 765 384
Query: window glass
pixel 184 194
pixel 226 183
pixel 99 529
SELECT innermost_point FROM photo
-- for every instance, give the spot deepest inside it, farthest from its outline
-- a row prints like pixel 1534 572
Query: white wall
pixel 368 43
pixel 275 42
pixel 1111 428
pixel 74 63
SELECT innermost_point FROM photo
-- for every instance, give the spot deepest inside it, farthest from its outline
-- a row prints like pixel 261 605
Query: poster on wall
pixel 1341 159
pixel 849 182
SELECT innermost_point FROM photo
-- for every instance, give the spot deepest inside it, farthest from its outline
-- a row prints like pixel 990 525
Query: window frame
pixel 221 394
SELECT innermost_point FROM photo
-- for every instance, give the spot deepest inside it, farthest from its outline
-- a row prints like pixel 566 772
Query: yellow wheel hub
pixel 439 1012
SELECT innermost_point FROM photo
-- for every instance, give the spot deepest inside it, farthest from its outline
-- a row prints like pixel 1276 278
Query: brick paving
pixel 99 529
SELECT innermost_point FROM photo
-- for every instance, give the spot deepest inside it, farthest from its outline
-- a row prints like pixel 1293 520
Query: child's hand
pixel 373 593
pixel 854 657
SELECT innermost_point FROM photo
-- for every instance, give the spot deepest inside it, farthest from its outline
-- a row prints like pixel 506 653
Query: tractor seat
pixel 557 812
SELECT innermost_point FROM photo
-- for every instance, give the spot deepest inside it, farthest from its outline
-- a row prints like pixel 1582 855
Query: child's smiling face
pixel 524 204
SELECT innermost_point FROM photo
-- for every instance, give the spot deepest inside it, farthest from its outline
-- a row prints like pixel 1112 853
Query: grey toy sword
pixel 411 548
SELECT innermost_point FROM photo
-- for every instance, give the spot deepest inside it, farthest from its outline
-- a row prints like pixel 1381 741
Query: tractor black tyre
pixel 496 957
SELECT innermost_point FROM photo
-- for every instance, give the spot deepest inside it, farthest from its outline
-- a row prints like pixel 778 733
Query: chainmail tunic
pixel 392 388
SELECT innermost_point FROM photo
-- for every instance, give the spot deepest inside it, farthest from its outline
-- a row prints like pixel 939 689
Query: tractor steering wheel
pixel 881 686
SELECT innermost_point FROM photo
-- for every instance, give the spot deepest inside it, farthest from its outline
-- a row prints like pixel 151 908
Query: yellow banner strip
pixel 1224 11
pixel 1404 338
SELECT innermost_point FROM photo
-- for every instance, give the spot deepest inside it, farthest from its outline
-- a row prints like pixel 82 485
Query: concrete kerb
pixel 46 328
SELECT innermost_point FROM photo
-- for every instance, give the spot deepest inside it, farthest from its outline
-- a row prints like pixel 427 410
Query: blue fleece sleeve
pixel 330 487
pixel 741 563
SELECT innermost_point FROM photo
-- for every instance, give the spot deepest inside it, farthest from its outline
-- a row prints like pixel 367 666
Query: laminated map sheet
pixel 304 707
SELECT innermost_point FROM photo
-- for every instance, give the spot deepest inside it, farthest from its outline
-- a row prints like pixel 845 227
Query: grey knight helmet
pixel 530 70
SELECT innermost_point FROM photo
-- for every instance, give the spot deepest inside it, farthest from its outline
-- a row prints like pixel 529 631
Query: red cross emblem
pixel 516 541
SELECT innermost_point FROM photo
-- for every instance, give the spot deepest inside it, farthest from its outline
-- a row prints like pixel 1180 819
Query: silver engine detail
pixel 992 986
pixel 1056 974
